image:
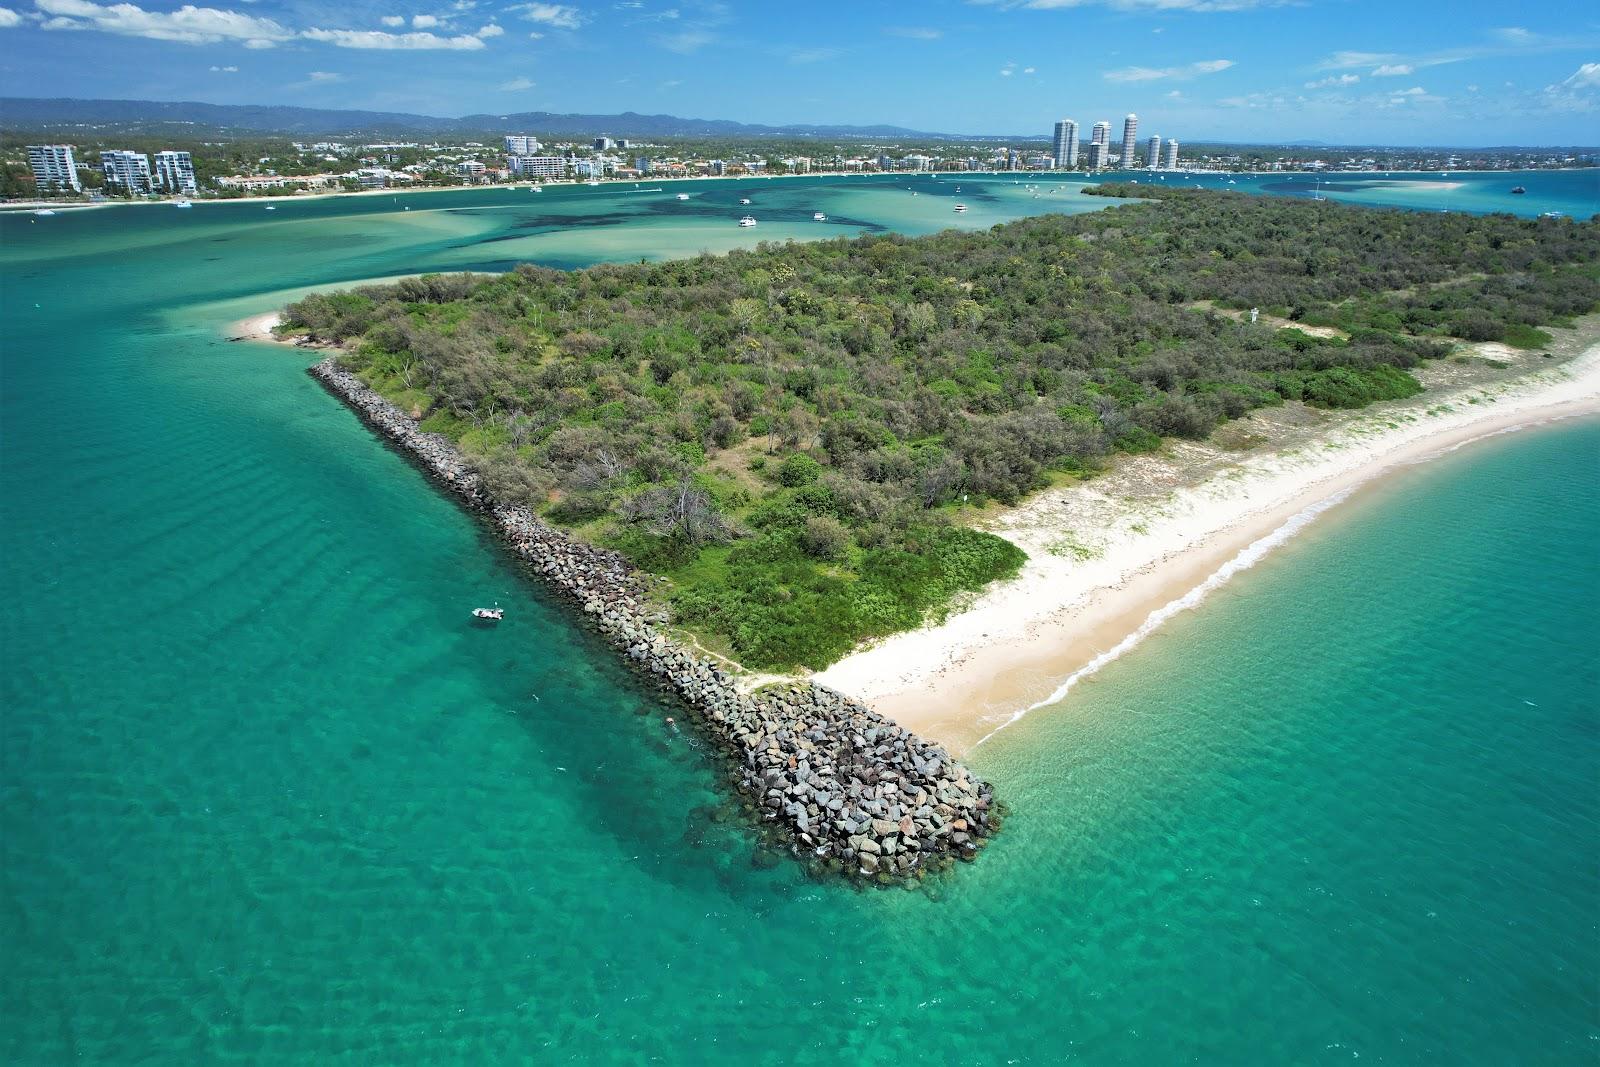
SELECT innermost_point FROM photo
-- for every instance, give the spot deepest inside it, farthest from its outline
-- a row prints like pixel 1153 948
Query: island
pixel 748 468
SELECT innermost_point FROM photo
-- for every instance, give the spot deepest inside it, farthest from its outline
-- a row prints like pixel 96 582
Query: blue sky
pixel 1348 71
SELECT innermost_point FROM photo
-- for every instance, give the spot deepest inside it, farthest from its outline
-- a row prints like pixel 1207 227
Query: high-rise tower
pixel 1172 154
pixel 1102 133
pixel 1152 155
pixel 1130 140
pixel 1065 144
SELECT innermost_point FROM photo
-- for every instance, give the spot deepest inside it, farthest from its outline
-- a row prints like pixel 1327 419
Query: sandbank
pixel 1111 559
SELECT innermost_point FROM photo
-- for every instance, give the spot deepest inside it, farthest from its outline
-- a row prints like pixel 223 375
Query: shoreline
pixel 859 795
pixel 1025 644
pixel 1084 177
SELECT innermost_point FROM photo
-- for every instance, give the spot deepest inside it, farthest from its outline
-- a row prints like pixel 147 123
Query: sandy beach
pixel 258 327
pixel 1112 558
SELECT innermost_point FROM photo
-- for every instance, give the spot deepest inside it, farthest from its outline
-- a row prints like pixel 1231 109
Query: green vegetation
pixel 791 434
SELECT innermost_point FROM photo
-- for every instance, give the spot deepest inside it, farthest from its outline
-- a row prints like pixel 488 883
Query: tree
pixel 684 511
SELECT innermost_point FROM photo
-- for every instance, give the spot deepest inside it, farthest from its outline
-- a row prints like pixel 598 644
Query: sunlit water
pixel 268 797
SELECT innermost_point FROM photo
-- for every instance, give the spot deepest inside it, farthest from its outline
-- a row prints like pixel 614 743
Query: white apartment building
pixel 54 168
pixel 522 144
pixel 175 173
pixel 1130 140
pixel 1064 145
pixel 127 172
pixel 539 166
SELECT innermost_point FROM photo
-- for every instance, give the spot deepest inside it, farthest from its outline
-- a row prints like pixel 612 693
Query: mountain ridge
pixel 159 116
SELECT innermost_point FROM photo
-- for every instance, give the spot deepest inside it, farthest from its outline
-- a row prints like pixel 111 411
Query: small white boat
pixel 1553 215
pixel 181 203
pixel 819 216
pixel 592 181
pixel 960 208
pixel 744 200
pixel 748 220
pixel 683 196
pixel 44 211
pixel 270 207
pixel 494 614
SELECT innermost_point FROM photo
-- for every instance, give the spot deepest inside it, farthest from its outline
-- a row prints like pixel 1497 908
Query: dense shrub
pixel 900 379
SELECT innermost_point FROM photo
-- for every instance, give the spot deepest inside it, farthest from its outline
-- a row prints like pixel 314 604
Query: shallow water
pixel 268 796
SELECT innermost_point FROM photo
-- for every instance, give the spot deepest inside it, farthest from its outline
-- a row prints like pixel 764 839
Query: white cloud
pixel 323 76
pixel 686 42
pixel 1134 5
pixel 207 25
pixel 491 30
pixel 815 55
pixel 8 17
pixel 424 22
pixel 914 33
pixel 516 85
pixel 393 20
pixel 1334 81
pixel 1579 92
pixel 225 70
pixel 187 25
pixel 1585 77
pixel 379 40
pixel 1146 74
pixel 560 16
pixel 1505 42
pixel 1027 70
pixel 1346 60
pixel 536 36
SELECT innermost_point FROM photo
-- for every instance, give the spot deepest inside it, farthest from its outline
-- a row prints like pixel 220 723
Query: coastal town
pixel 220 170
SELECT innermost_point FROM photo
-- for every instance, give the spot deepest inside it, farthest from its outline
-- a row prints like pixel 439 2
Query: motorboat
pixel 181 203
pixel 44 211
pixel 748 220
pixel 960 208
pixel 494 614
pixel 744 200
pixel 1553 215
pixel 1519 189
pixel 818 216
pixel 683 196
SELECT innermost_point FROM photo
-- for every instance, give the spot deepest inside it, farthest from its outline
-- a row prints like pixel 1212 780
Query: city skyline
pixel 1240 70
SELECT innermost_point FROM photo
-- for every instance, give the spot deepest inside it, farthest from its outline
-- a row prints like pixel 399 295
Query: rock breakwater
pixel 853 790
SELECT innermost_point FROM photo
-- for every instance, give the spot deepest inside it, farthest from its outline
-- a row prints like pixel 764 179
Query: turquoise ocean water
pixel 264 797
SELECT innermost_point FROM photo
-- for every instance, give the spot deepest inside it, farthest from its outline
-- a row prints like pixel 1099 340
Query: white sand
pixel 1100 565
pixel 257 327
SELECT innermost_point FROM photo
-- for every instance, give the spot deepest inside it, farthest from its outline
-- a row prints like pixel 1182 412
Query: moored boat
pixel 1519 189
pixel 494 614
pixel 748 220
pixel 960 208
pixel 819 216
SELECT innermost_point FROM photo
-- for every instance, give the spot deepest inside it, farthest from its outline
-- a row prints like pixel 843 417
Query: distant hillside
pixel 171 117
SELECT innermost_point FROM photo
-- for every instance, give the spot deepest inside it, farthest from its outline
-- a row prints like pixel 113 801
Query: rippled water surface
pixel 266 797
